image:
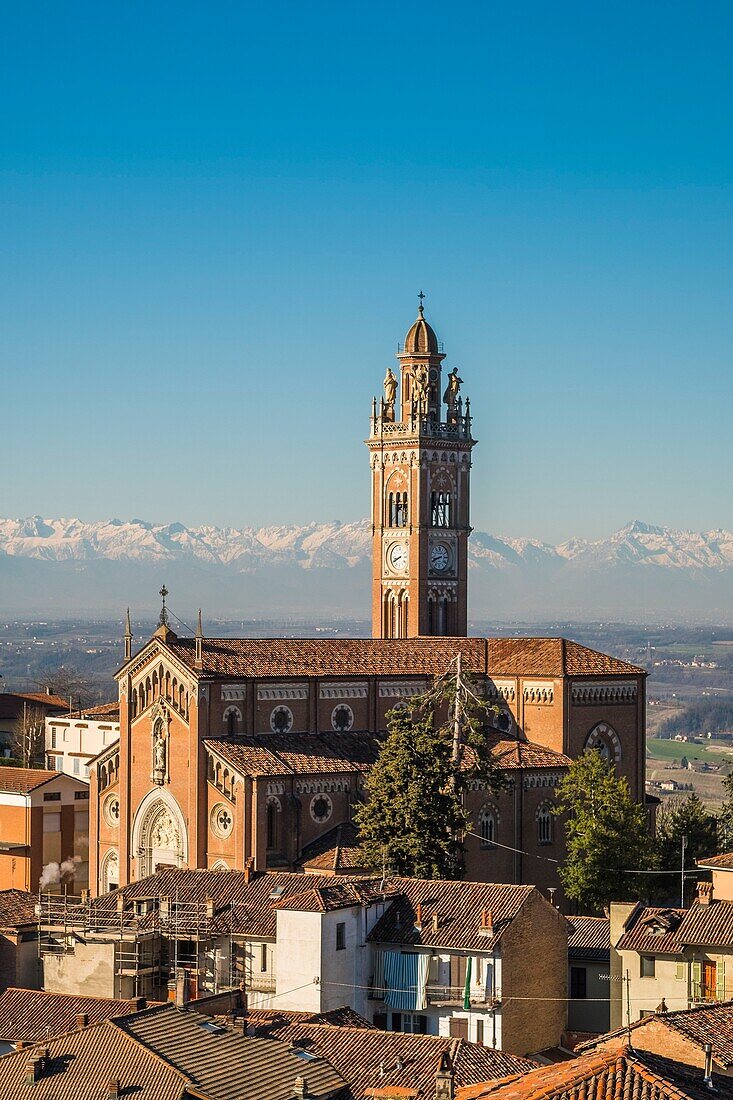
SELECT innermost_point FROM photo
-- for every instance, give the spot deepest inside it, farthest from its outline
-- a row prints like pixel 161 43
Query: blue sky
pixel 215 218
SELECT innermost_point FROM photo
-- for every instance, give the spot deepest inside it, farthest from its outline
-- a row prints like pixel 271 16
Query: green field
pixel 712 752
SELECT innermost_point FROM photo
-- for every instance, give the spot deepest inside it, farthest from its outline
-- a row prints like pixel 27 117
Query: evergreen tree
pixel 414 819
pixel 725 817
pixel 684 817
pixel 606 835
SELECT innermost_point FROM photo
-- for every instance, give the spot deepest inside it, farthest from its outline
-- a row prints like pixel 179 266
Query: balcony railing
pixel 262 983
pixel 453 995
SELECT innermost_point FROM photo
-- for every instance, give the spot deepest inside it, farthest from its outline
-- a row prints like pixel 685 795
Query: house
pixel 166 1054
pixel 674 957
pixel 25 710
pixel 589 956
pixel 73 740
pixel 622 1071
pixel 684 1036
pixel 19 961
pixel 446 958
pixel 29 1016
pixel 44 829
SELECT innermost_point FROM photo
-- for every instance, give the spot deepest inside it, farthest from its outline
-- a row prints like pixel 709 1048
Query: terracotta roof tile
pixel 459 907
pixel 298 753
pixel 81 1063
pixel 358 1053
pixel 590 938
pixel 337 851
pixel 617 1072
pixel 227 1065
pixel 653 931
pixel 266 1018
pixel 30 1015
pixel 17 908
pixel 295 657
pixel 708 925
pixel 705 1023
pixel 724 862
pixel 23 780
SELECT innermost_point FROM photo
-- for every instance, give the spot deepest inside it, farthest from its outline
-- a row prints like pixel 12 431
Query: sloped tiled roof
pixel 298 753
pixel 619 1072
pixel 24 780
pixel 30 1015
pixel 336 895
pixel 590 938
pixel 358 1054
pixel 640 934
pixel 267 1018
pixel 708 925
pixel 510 753
pixel 293 657
pixel 17 908
pixel 723 862
pixel 336 851
pixel 81 1063
pixel 229 1065
pixel 705 1023
pixel 458 905
pixel 104 712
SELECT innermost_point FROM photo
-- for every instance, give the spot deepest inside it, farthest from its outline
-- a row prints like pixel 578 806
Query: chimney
pixel 436 922
pixel 487 923
pixel 120 903
pixel 209 908
pixel 33 1069
pixel 445 1086
pixel 140 1003
pixel 708 1079
pixel 418 917
pixel 113 1089
pixel 81 1019
pixel 248 869
pixel 704 893
pixel 199 651
pixel 300 1089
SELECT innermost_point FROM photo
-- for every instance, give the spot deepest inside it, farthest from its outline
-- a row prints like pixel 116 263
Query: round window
pixel 112 811
pixel 342 718
pixel 321 808
pixel 222 821
pixel 281 719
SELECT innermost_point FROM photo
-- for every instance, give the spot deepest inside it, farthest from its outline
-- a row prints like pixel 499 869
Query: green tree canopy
pixel 606 835
pixel 686 817
pixel 725 817
pixel 414 818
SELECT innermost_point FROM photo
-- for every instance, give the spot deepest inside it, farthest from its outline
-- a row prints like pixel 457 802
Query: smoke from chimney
pixel 59 874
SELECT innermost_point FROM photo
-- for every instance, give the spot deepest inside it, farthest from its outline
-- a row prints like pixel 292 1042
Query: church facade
pixel 237 752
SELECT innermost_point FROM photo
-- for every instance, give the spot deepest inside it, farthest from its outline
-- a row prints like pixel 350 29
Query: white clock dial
pixel 398 557
pixel 439 557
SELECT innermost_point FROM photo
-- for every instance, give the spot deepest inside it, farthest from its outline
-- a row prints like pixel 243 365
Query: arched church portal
pixel 159 836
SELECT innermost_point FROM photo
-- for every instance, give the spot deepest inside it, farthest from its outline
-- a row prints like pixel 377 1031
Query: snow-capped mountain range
pixel 322 570
pixel 330 545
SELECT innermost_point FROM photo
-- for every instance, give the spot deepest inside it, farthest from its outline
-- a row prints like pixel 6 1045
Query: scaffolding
pixel 169 946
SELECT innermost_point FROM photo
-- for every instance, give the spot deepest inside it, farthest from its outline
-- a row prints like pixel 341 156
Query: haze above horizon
pixel 216 219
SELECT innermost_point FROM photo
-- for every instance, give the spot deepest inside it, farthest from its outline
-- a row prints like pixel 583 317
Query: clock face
pixel 398 557
pixel 439 557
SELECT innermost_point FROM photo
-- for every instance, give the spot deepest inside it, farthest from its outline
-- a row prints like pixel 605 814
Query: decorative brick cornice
pixel 400 689
pixel 277 692
pixel 538 691
pixel 344 690
pixel 589 693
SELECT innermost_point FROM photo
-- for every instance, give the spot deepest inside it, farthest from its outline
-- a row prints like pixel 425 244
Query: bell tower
pixel 420 454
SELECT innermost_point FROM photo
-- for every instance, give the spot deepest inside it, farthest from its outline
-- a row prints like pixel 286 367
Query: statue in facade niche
pixel 452 392
pixel 390 394
pixel 159 752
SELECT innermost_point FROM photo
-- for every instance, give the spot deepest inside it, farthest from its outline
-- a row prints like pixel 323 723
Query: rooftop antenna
pixel 627 979
pixel 682 876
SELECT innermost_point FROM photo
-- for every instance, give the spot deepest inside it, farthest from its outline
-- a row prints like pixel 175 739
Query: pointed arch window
pixel 545 824
pixel 397 509
pixel 488 821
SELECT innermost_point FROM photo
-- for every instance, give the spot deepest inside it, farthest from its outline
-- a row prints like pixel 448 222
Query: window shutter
pixel 720 981
pixel 680 972
pixel 696 980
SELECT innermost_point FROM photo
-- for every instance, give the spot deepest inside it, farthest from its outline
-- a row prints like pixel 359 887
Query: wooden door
pixel 709 980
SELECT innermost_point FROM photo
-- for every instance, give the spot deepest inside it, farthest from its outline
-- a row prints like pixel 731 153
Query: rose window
pixel 112 811
pixel 281 719
pixel 222 821
pixel 321 808
pixel 342 718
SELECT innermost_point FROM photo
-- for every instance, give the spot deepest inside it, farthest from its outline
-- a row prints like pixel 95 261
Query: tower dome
pixel 421 340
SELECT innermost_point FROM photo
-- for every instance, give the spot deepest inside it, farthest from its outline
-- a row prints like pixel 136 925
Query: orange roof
pixel 23 780
pixel 618 1072
pixel 293 657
